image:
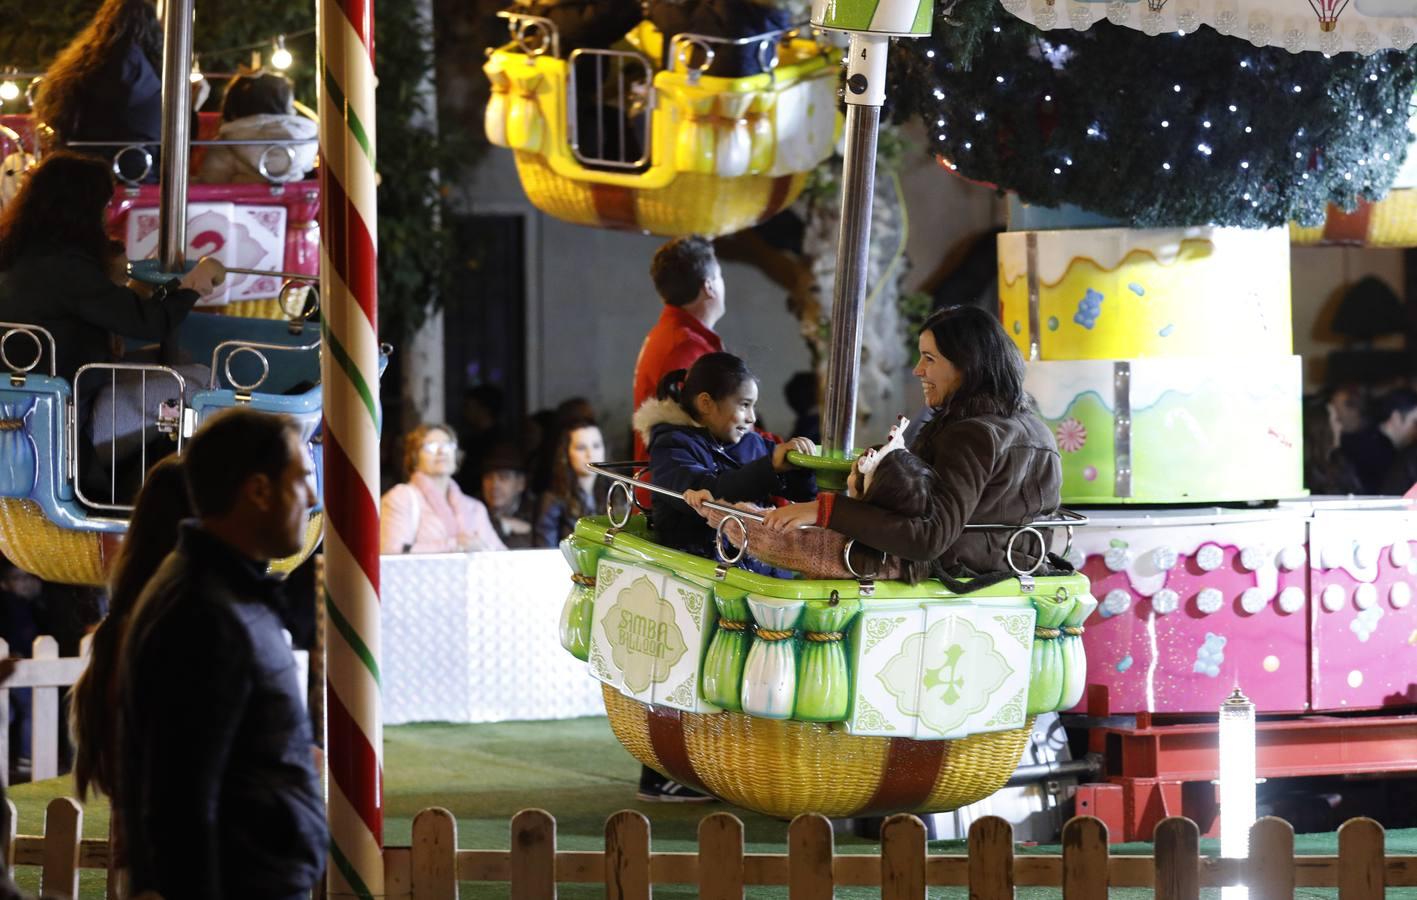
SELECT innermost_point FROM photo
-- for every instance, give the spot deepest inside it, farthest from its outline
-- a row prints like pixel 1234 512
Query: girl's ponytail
pixel 671 386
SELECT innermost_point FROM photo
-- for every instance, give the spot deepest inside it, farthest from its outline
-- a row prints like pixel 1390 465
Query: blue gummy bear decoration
pixel 1137 289
pixel 1052 323
pixel 1089 308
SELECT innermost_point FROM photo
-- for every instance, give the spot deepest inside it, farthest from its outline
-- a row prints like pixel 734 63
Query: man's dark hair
pixel 990 366
pixel 680 269
pixel 1397 400
pixel 229 448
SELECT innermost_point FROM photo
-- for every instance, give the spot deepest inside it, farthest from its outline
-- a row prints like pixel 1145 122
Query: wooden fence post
pixel 44 718
pixel 1177 859
pixel 721 857
pixel 1085 875
pixel 903 858
pixel 627 856
pixel 63 829
pixel 1270 873
pixel 810 852
pixel 991 859
pixel 435 855
pixel 1361 869
pixel 533 855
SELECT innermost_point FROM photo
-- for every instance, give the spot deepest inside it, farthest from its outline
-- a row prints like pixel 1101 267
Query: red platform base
pixel 1157 770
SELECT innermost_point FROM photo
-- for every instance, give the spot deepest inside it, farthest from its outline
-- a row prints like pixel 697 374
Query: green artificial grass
pixel 575 770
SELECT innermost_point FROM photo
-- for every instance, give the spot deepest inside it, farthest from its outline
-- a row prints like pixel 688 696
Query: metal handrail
pixel 605 470
pixel 1063 518
pixel 13 328
pixel 252 347
pixel 214 142
pixel 683 43
pixel 139 270
pixel 517 25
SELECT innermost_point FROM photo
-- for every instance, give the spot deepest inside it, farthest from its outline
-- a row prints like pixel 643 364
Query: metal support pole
pixel 865 92
pixel 176 134
pixel 858 186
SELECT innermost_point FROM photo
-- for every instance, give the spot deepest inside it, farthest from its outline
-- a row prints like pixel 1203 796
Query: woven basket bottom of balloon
pixel 690 204
pixel 38 546
pixel 784 768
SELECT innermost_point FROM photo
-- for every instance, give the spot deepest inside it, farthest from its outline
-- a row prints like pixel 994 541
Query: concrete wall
pixel 590 303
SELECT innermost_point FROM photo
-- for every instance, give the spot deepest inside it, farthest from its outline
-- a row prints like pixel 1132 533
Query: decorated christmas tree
pixel 1175 129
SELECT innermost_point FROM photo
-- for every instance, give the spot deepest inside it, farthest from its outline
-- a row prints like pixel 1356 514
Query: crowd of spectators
pixel 1361 441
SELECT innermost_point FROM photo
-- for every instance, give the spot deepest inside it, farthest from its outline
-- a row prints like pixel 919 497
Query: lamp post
pixel 1237 781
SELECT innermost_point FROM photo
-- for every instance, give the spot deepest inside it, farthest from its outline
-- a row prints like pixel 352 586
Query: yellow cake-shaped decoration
pixel 1120 293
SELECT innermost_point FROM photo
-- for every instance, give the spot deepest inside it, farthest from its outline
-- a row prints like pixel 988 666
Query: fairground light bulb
pixel 196 74
pixel 9 89
pixel 1237 781
pixel 280 57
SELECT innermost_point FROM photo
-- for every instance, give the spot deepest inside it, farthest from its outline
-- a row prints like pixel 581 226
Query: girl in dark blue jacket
pixel 699 430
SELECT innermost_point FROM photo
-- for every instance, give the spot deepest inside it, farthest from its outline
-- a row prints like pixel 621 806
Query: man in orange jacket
pixel 688 279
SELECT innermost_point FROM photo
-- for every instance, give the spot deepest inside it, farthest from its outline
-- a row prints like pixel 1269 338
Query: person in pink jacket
pixel 430 513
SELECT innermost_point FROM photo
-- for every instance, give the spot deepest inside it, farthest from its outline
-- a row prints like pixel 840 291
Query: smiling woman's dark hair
pixel 990 366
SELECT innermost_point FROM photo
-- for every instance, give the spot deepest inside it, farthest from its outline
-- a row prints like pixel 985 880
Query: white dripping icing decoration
pixel 1151 552
pixel 866 464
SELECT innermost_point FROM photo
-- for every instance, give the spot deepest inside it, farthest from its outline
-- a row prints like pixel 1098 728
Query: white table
pixel 474 638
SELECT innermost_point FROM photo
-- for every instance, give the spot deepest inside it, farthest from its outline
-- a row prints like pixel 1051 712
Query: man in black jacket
pixel 217 789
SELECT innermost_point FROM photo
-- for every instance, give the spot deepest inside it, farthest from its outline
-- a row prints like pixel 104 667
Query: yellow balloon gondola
pixel 722 155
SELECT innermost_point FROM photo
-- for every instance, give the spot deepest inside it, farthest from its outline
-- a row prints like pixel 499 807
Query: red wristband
pixel 825 500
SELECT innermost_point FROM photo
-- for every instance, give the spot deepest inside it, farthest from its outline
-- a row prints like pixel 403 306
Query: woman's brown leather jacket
pixel 993 469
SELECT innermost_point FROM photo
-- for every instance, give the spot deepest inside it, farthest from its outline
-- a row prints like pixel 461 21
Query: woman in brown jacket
pixel 998 463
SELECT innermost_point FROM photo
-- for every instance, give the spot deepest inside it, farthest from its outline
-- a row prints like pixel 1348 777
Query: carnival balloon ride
pixel 671 150
pixel 842 696
pixel 63 511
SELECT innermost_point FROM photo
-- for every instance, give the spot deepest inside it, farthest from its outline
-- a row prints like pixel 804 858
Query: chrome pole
pixel 865 93
pixel 858 186
pixel 176 133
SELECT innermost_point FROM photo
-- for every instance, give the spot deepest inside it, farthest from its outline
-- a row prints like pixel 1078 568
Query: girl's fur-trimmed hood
pixel 659 412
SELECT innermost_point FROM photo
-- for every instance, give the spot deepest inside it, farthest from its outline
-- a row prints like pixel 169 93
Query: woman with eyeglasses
pixel 430 513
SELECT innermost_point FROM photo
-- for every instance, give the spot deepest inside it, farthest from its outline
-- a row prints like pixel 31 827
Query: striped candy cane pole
pixel 351 446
